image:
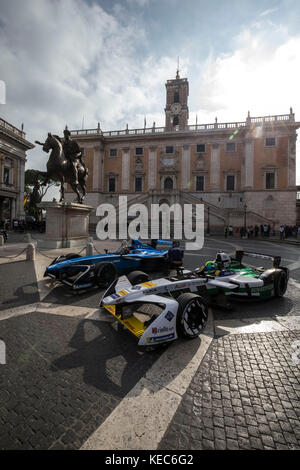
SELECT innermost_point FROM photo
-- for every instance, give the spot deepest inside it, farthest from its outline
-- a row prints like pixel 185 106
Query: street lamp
pixel 245 215
pixel 208 231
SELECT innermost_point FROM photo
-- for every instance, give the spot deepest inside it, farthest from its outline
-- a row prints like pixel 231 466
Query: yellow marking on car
pixel 110 308
pixel 123 292
pixel 132 323
pixel 148 284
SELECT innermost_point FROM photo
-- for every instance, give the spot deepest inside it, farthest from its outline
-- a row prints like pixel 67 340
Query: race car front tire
pixel 105 274
pixel 280 283
pixel 191 316
pixel 137 277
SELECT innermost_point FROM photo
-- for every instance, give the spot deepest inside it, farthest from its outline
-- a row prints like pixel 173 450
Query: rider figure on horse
pixel 72 153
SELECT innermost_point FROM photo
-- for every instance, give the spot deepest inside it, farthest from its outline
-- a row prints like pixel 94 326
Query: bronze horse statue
pixel 58 168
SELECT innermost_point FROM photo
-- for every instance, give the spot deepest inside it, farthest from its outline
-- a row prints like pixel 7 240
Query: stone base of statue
pixel 67 225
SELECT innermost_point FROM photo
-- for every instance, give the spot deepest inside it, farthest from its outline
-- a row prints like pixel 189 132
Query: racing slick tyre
pixel 191 316
pixel 280 283
pixel 72 256
pixel 105 274
pixel 137 277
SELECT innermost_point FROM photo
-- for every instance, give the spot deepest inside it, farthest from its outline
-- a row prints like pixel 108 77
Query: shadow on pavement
pixel 18 284
pixel 110 358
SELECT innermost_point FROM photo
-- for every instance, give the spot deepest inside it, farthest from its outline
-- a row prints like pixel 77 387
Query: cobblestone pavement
pixel 63 376
pixel 66 374
pixel 245 395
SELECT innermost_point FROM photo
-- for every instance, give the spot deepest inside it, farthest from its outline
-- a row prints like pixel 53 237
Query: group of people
pixel 263 230
pixel 23 225
pixel 286 231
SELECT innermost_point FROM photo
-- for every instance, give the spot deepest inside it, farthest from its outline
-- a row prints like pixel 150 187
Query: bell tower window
pixel 176 97
pixel 168 184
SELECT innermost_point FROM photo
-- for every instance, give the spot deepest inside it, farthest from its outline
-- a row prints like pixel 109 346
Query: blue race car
pixel 82 272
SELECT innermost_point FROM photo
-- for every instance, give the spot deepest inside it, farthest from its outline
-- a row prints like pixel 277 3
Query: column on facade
pixel 215 167
pixel 152 167
pixel 185 167
pixel 292 160
pixel 20 187
pixel 249 163
pixel 125 169
pixel 98 168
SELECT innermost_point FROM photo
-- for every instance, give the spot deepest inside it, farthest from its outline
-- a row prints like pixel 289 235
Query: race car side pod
pixel 240 253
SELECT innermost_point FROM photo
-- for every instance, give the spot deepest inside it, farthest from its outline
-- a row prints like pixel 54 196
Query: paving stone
pixel 69 377
pixel 254 409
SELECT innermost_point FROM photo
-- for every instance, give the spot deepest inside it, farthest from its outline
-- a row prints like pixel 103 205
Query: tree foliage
pixel 35 189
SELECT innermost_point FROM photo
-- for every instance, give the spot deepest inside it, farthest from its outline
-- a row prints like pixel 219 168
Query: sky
pixel 80 62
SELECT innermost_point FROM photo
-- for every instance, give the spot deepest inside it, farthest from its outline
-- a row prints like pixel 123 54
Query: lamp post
pixel 208 229
pixel 245 216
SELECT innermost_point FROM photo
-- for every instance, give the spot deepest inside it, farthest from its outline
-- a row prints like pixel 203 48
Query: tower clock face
pixel 176 108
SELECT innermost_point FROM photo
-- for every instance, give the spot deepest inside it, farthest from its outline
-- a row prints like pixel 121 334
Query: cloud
pixel 65 60
pixel 268 12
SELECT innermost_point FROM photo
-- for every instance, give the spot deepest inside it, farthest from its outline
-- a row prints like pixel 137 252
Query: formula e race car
pixel 82 272
pixel 161 310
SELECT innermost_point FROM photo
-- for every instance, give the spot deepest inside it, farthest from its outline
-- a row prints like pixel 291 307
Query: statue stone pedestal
pixel 67 224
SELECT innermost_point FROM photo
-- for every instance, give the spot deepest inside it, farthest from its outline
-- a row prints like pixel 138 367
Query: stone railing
pixel 11 128
pixel 216 126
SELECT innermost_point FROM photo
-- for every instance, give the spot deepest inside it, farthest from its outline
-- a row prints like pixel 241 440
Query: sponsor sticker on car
pixel 169 315
pixel 158 339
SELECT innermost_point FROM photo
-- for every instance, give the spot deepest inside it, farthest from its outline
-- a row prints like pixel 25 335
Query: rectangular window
pixel 230 183
pixel 6 175
pixel 82 150
pixel 200 183
pixel 200 148
pixel 169 149
pixel 139 151
pixel 138 184
pixel 230 147
pixel 270 142
pixel 113 152
pixel 112 185
pixel 270 180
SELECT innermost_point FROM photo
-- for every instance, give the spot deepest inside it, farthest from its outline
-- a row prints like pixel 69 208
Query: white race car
pixel 161 310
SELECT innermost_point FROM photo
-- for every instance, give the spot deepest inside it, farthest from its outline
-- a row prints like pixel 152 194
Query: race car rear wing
pixel 239 254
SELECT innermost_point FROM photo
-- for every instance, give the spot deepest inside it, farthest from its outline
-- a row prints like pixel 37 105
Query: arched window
pixel 175 121
pixel 168 184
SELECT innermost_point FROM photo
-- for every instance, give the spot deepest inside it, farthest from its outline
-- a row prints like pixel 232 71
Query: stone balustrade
pixel 191 128
pixel 11 128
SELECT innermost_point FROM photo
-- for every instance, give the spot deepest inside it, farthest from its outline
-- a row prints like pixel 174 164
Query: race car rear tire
pixel 191 316
pixel 105 274
pixel 137 277
pixel 280 283
pixel 72 256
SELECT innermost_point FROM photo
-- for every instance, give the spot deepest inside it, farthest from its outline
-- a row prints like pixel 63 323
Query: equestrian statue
pixel 65 164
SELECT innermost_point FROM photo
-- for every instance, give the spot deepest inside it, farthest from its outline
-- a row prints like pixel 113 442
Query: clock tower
pixel 176 110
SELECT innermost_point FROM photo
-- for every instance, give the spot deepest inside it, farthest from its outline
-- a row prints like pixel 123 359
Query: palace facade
pixel 13 147
pixel 243 172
